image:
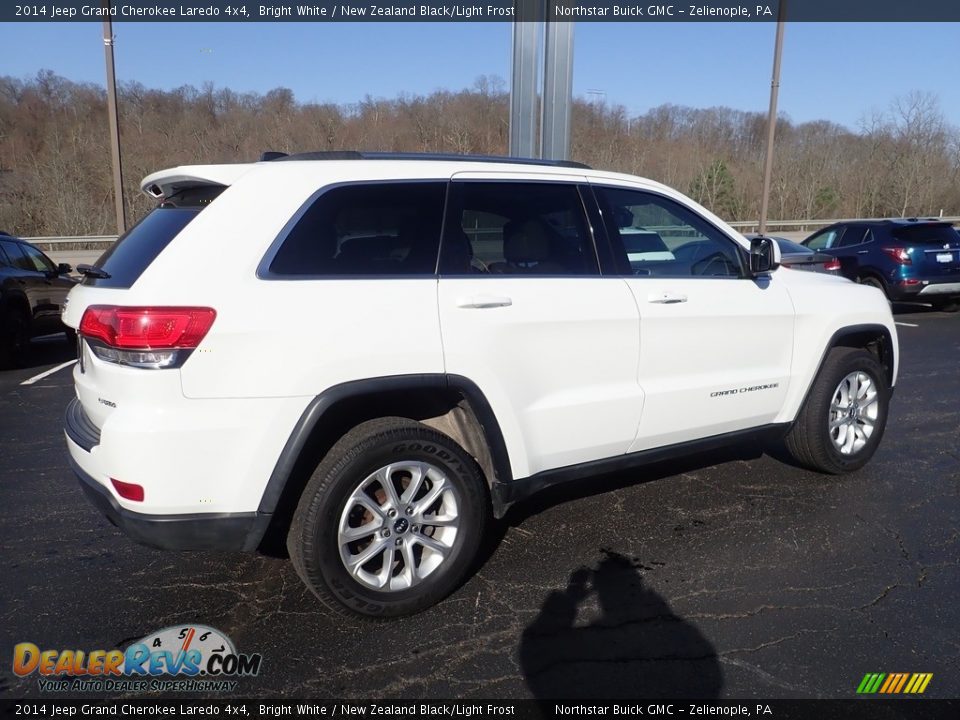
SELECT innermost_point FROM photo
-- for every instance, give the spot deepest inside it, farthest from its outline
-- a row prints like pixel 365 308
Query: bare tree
pixel 54 178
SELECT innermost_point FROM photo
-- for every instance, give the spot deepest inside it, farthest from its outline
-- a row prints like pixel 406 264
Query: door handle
pixel 862 252
pixel 666 298
pixel 480 302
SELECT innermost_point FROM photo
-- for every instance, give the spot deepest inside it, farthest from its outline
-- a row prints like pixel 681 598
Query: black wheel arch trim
pixel 867 329
pixel 325 401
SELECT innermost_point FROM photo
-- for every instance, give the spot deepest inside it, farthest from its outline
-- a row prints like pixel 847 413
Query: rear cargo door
pixel 934 248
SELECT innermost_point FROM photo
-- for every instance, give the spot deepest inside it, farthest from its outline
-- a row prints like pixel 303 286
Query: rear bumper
pixel 209 531
pixel 925 288
pixel 952 288
pixel 233 531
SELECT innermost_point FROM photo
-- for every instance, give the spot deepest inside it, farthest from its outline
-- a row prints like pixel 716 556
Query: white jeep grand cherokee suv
pixel 368 355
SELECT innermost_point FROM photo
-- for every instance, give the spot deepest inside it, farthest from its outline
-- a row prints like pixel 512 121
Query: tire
pixel 14 338
pixel 812 441
pixel 344 494
pixel 871 281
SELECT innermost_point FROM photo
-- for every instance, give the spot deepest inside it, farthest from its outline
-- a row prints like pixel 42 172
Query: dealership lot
pixel 722 575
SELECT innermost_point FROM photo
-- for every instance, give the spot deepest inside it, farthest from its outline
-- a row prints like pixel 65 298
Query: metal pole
pixel 523 83
pixel 557 91
pixel 114 121
pixel 772 121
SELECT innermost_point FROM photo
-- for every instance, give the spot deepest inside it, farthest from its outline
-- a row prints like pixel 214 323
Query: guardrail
pixel 101 242
pixel 803 225
pixel 73 242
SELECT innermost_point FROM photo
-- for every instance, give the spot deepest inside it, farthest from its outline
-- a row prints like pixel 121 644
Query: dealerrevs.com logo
pixel 190 658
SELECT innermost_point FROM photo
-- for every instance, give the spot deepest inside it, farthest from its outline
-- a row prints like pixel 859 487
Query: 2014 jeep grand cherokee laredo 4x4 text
pixel 369 355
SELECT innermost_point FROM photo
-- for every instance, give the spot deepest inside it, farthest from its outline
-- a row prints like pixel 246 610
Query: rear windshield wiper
pixel 93 271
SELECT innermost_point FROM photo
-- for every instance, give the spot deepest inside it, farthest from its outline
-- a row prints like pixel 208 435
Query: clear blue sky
pixel 838 72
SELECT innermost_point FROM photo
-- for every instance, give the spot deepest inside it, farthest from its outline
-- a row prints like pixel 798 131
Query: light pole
pixel 114 120
pixel 557 91
pixel 772 121
pixel 523 89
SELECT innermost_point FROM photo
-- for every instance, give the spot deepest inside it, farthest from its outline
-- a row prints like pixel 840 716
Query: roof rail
pixel 270 156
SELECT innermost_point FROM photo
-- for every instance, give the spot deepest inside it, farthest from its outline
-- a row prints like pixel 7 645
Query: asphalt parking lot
pixel 722 575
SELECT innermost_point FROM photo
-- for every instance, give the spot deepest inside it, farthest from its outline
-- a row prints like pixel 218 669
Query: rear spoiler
pixel 168 182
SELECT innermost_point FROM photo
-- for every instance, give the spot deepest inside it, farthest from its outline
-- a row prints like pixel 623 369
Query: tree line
pixel 55 172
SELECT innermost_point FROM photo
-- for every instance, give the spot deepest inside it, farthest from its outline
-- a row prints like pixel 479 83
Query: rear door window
pixel 855 235
pixel 373 229
pixel 517 228
pixel 129 256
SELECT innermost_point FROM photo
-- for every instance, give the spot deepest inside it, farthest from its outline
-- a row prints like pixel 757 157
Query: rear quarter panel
pixel 286 337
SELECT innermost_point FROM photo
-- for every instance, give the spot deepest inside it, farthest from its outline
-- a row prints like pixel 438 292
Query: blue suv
pixel 910 259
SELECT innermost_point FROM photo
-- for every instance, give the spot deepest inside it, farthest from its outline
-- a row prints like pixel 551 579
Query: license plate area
pixel 944 257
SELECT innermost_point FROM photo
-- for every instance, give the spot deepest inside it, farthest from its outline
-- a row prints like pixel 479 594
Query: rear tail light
pixel 147 337
pixel 899 254
pixel 832 265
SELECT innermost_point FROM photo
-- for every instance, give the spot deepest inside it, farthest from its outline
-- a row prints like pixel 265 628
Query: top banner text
pixel 485 11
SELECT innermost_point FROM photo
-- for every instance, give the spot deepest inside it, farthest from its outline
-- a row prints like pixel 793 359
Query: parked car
pixel 32 291
pixel 368 356
pixel 909 259
pixel 798 257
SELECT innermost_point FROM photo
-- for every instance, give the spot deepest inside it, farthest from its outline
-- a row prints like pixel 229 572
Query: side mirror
pixel 764 256
pixel 64 269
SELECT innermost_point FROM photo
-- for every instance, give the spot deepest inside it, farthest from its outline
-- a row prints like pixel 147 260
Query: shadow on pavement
pixel 632 646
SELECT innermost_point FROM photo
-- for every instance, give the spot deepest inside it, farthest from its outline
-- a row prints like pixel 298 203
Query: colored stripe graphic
pixel 903 681
pixel 894 683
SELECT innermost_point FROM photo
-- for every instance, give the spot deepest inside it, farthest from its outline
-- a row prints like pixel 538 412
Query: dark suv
pixel 914 259
pixel 32 291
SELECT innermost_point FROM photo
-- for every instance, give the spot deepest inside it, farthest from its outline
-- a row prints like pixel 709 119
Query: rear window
pixel 129 256
pixel 927 234
pixel 787 246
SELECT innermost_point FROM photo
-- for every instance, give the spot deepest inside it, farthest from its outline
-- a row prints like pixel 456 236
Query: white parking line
pixel 897 322
pixel 49 372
